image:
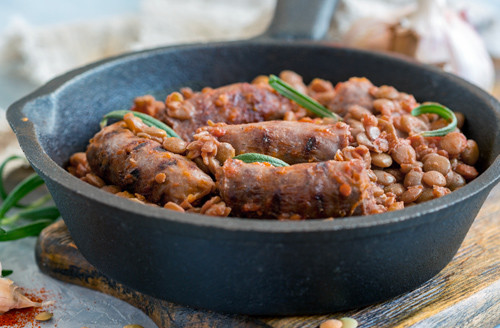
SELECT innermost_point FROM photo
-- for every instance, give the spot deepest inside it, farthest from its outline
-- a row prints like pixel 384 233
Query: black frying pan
pixel 245 265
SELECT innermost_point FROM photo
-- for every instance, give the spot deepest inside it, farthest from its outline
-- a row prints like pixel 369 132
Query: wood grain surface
pixel 466 293
pixel 57 255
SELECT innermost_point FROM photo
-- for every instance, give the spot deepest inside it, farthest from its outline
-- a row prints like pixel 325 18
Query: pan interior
pixel 76 102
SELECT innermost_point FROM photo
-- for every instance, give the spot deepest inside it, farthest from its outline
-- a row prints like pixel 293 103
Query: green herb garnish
pixel 6 273
pixel 31 229
pixel 442 111
pixel 303 100
pixel 35 213
pixel 148 120
pixel 33 218
pixel 22 189
pixel 3 193
pixel 254 157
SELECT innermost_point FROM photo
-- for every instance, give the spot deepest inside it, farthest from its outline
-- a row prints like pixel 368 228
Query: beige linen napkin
pixel 39 53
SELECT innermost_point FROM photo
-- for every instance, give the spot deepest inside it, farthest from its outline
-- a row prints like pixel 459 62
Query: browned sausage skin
pixel 233 104
pixel 302 191
pixel 141 165
pixel 291 141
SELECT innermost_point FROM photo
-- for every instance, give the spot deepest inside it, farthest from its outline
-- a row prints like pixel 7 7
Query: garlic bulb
pixel 432 34
pixel 11 298
pixel 369 33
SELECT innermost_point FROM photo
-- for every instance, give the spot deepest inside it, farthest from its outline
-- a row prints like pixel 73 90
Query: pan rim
pixel 400 219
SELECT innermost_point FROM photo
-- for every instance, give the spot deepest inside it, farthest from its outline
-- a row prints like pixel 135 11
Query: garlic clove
pixel 469 57
pixel 433 34
pixel 449 41
pixel 11 298
pixel 369 33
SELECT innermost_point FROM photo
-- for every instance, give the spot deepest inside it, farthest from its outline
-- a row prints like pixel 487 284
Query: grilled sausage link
pixel 142 166
pixel 291 141
pixel 233 104
pixel 301 191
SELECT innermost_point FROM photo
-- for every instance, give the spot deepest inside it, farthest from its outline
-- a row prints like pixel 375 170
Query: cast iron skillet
pixel 244 265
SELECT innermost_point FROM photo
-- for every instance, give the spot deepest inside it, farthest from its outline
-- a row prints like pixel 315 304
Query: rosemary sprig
pixel 255 157
pixel 303 100
pixel 442 111
pixel 148 120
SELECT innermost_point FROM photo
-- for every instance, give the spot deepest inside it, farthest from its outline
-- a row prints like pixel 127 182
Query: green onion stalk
pixel 33 217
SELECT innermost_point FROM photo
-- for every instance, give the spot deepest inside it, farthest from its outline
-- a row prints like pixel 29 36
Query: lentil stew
pixel 373 161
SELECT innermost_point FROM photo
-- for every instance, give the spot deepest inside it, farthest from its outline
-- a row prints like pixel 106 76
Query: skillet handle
pixel 300 19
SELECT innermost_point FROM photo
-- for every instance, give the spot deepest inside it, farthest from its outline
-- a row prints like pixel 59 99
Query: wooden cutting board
pixel 464 294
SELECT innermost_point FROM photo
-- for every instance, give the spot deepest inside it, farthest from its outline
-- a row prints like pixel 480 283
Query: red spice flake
pixel 218 132
pixel 345 189
pixel 21 318
pixel 160 178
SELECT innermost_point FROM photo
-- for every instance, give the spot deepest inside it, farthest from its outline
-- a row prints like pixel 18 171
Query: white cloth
pixel 40 53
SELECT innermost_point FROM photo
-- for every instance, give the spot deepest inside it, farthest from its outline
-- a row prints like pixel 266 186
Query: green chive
pixel 22 189
pixel 442 111
pixel 49 213
pixel 3 192
pixel 254 157
pixel 39 202
pixel 6 273
pixel 42 217
pixel 303 100
pixel 32 229
pixel 148 120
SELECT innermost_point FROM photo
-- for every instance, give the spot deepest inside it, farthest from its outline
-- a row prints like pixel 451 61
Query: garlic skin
pixel 447 40
pixel 433 34
pixel 470 61
pixel 11 298
pixel 369 33
pixel 375 32
pixel 431 28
